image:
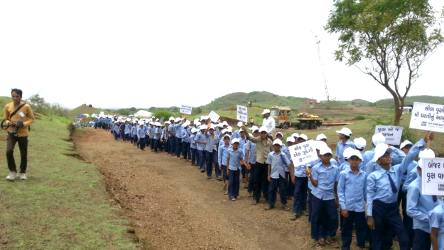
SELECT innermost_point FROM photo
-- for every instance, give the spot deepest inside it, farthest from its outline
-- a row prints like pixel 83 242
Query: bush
pixel 162 113
pixel 325 118
pixel 39 105
pixel 359 117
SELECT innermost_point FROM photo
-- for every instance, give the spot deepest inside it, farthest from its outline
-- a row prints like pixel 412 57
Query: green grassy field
pixel 63 204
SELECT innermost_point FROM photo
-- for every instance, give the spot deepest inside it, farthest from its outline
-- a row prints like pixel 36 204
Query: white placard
pixel 433 176
pixel 242 113
pixel 303 153
pixel 213 116
pixel 392 134
pixel 184 109
pixel 426 116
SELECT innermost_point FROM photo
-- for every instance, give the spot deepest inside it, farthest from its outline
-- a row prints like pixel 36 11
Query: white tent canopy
pixel 143 114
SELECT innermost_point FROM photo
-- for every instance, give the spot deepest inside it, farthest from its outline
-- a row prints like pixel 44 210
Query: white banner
pixel 392 134
pixel 242 113
pixel 433 176
pixel 303 153
pixel 429 117
pixel 184 109
pixel 213 116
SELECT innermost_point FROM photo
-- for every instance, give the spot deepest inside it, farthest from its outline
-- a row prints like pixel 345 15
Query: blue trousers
pixel 233 184
pixel 290 185
pixel 358 220
pixel 300 194
pixel 186 151
pixel 193 155
pixel 142 143
pixel 172 143
pixel 116 135
pixel 274 184
pixel 211 158
pixel 201 159
pixel 155 144
pixel 178 146
pixel 324 218
pixel 421 240
pixel 251 178
pixel 224 172
pixel 389 214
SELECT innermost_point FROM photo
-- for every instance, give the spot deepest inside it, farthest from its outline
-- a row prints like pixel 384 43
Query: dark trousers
pixel 244 171
pixel 23 147
pixel 421 240
pixel 358 220
pixel 178 146
pixel 324 219
pixel 224 173
pixel 127 137
pixel 407 220
pixel 201 159
pixel 261 181
pixel 155 144
pixel 233 184
pixel 211 158
pixel 116 135
pixel 152 143
pixel 310 200
pixel 300 194
pixel 193 155
pixel 251 178
pixel 274 184
pixel 142 143
pixel 171 141
pixel 290 185
pixel 186 151
pixel 388 213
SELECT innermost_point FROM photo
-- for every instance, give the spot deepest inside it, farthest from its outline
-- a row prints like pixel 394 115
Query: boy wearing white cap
pixel 351 195
pixel 134 134
pixel 419 206
pixel 211 153
pixel 193 146
pixel 141 136
pixel 234 161
pixel 277 162
pixel 201 142
pixel 222 160
pixel 300 187
pixel 250 159
pixel 268 123
pixel 172 137
pixel 156 136
pixel 344 136
pixel 288 177
pixel 236 133
pixel 382 194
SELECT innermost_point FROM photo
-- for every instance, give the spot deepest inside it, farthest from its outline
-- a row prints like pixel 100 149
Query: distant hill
pixel 259 99
pixel 83 109
pixel 409 100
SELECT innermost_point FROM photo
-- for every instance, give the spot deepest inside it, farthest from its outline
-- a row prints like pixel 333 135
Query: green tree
pixel 386 39
pixel 163 113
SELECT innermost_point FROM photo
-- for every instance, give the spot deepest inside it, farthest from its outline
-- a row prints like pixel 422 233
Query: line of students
pixel 363 186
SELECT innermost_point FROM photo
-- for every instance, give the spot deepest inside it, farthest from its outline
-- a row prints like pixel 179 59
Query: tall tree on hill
pixel 386 39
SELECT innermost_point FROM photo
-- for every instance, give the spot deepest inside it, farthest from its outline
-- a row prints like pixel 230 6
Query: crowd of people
pixel 354 189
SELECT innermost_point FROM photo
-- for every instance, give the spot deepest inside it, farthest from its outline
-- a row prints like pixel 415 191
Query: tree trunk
pixel 398 111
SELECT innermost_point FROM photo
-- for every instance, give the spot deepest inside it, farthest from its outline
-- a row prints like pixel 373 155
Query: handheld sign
pixel 242 113
pixel 433 176
pixel 428 117
pixel 392 134
pixel 303 153
pixel 213 116
pixel 184 109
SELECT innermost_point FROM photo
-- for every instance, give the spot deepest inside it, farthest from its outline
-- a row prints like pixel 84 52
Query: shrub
pixel 359 117
pixel 163 113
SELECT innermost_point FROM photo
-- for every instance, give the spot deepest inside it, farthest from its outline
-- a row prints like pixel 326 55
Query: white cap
pixel 347 152
pixel 426 153
pixel 225 123
pixel 196 121
pixel 405 143
pixel 360 143
pixel 212 127
pixel 171 119
pixel 240 124
pixel 178 119
pixel 295 135
pixel 241 130
pixel 345 131
pixel 203 127
pixel 321 137
pixel 223 137
pixel 303 136
pixel 193 130
pixel 290 139
pixel 277 141
pixel 266 111
pixel 234 141
pixel 187 123
pixel 279 133
pixel 229 129
pixel 378 139
pixel 254 128
pixel 325 150
pixel 380 150
pixel 167 122
pixel 263 129
pixel 355 153
pixel 158 124
pixel 140 122
pixel 320 145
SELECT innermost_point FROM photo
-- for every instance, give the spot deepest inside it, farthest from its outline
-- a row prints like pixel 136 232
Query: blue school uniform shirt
pixel 412 165
pixel 344 166
pixel 340 147
pixel 222 154
pixel 235 134
pixel 141 132
pixel 316 162
pixel 235 158
pixel 436 220
pixel 155 132
pixel 286 151
pixel 352 190
pixel 179 131
pixel 172 130
pixel 193 144
pixel 326 178
pixel 163 134
pixel 211 143
pixel 410 178
pixel 419 206
pixel 378 184
pixel 200 137
pixel 279 163
pixel 127 129
pixel 134 130
pixel 251 147
pixel 116 128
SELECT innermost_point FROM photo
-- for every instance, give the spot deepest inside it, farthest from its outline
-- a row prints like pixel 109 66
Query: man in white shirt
pixel 269 123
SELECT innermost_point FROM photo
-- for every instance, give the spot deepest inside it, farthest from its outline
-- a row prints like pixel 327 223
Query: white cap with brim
pixel 378 139
pixel 360 143
pixel 347 152
pixel 277 142
pixel 279 133
pixel 405 143
pixel 234 141
pixel 325 150
pixel 356 153
pixel 225 123
pixel 240 124
pixel 320 145
pixel 171 119
pixel 345 131
pixel 303 136
pixel 380 150
pixel 203 127
pixel 295 135
pixel 225 136
pixel 266 111
pixel 426 153
pixel 263 129
pixel 321 137
pixel 290 139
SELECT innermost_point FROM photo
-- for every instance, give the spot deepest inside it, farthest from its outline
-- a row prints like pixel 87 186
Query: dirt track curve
pixel 173 206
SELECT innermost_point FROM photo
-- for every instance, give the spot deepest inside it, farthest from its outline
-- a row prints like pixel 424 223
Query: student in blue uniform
pixel 324 218
pixel 211 153
pixel 116 131
pixel 277 162
pixel 300 186
pixel 345 142
pixel 436 221
pixel 156 136
pixel 134 134
pixel 178 139
pixel 419 206
pixel 250 159
pixel 351 195
pixel 382 193
pixel 141 136
pixel 193 146
pixel 242 141
pixel 172 136
pixel 201 142
pixel 222 160
pixel 234 161
pixel 288 177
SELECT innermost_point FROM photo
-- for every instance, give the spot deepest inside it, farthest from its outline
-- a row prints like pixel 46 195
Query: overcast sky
pixel 116 54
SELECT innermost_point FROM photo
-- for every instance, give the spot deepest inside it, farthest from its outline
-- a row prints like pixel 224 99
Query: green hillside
pixel 409 100
pixel 83 109
pixel 3 101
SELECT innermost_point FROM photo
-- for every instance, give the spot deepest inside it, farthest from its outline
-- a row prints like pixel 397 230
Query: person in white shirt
pixel 269 123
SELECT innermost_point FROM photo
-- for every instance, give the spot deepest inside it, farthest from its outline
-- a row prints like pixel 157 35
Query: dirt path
pixel 173 206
